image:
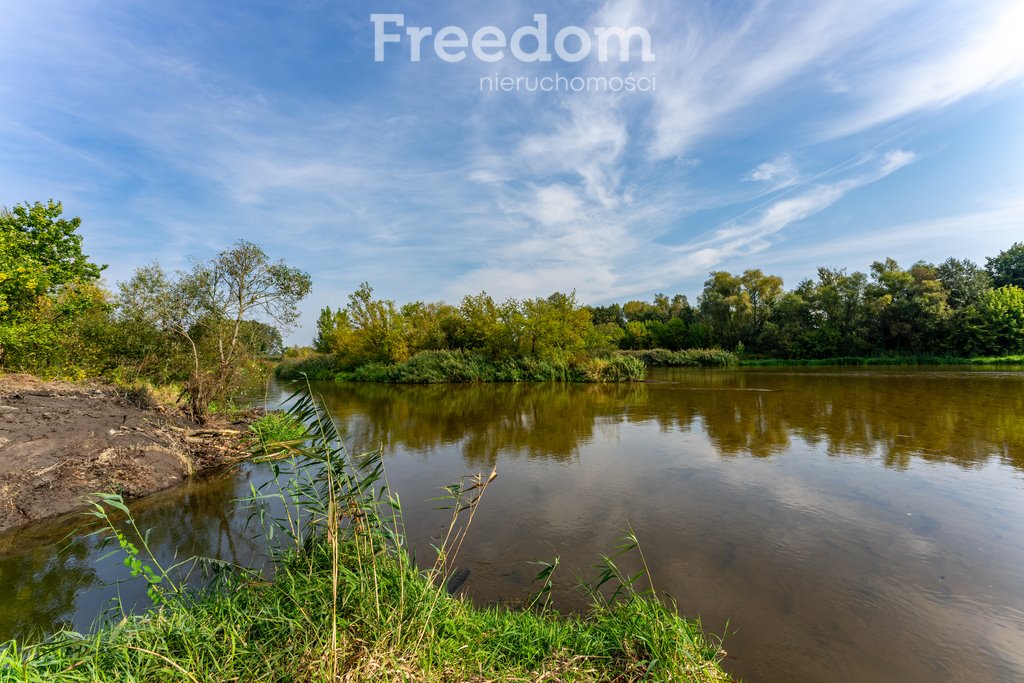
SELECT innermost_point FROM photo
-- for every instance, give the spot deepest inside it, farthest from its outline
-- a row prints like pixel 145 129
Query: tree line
pixel 206 327
pixel 956 308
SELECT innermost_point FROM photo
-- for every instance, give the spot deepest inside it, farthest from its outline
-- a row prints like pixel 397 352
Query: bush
pixel 685 358
pixel 617 368
pixel 433 367
pixel 439 367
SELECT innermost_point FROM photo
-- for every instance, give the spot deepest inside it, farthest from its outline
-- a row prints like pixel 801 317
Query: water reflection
pixel 850 526
pixel 961 417
pixel 40 586
pixel 52 574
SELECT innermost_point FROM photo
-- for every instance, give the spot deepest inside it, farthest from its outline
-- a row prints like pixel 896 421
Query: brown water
pixel 842 526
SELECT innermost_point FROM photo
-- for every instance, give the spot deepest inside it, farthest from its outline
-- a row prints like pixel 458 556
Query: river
pixel 837 525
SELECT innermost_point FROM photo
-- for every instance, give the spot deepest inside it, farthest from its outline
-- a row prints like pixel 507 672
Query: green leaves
pixel 995 325
pixel 39 253
pixel 139 563
pixel 1008 267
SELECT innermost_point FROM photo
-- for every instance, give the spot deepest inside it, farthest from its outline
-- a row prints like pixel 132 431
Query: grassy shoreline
pixel 439 367
pixel 347 602
pixel 393 624
pixel 455 367
pixel 884 360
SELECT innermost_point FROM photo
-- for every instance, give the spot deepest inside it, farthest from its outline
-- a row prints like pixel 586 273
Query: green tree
pixel 555 328
pixel 996 322
pixel 965 282
pixel 489 327
pixel 50 302
pixel 738 308
pixel 909 306
pixel 725 307
pixel 1008 267
pixel 378 328
pixel 325 324
pixel 207 308
pixel 839 314
pixel 425 325
pixel 641 311
pixel 608 314
pixel 40 252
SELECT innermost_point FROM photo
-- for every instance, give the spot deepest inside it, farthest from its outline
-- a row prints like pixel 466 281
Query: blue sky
pixel 780 134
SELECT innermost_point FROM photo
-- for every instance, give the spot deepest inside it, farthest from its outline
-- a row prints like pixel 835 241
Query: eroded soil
pixel 59 442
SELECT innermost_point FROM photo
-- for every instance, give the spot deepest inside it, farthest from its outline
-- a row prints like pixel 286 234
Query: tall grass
pixel 685 358
pixel 347 603
pixel 919 359
pixel 458 366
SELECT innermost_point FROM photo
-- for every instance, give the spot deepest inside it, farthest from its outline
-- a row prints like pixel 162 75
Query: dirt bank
pixel 60 442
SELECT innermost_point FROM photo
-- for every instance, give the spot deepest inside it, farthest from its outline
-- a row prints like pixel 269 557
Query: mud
pixel 60 442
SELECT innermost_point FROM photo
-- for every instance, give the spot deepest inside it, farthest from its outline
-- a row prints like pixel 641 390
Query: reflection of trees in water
pixel 45 569
pixel 541 420
pixel 39 586
pixel 202 519
pixel 956 417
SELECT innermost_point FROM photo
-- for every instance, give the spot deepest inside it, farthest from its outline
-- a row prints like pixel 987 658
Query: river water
pixel 836 525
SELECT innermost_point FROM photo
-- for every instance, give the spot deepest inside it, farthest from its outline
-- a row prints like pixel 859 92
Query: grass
pixel 439 367
pixel 347 603
pixel 886 360
pixel 685 358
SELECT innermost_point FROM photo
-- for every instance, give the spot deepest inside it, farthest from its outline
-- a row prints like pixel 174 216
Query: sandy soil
pixel 59 442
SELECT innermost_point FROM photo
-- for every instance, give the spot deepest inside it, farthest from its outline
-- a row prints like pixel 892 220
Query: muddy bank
pixel 59 442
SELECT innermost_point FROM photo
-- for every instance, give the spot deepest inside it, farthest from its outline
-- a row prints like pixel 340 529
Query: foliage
pixel 995 323
pixel 1007 268
pixel 40 253
pixel 965 282
pixel 617 368
pixel 52 312
pixel 435 367
pixel 687 358
pixel 316 367
pixel 208 308
pixel 274 433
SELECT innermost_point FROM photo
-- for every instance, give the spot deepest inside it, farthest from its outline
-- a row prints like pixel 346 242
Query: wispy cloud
pixel 778 173
pixel 985 54
pixel 752 232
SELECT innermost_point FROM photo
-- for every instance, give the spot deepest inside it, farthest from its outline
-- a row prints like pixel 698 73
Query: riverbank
pixel 884 360
pixel 348 603
pixel 60 442
pixel 463 367
pixel 390 623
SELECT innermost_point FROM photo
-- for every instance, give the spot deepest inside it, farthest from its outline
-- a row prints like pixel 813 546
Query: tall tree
pixel 996 322
pixel 40 252
pixel 1008 267
pixel 208 306
pixel 909 305
pixel 965 282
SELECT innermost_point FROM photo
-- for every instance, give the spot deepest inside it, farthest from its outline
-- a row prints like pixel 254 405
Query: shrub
pixel 685 358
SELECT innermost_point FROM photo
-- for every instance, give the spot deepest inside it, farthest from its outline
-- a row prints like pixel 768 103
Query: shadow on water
pixel 848 525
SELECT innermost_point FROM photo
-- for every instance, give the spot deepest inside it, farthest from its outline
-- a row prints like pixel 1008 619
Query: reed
pixel 347 602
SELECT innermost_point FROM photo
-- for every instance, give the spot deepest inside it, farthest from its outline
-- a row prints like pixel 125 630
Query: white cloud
pixel 778 172
pixel 992 228
pixel 984 55
pixel 753 232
